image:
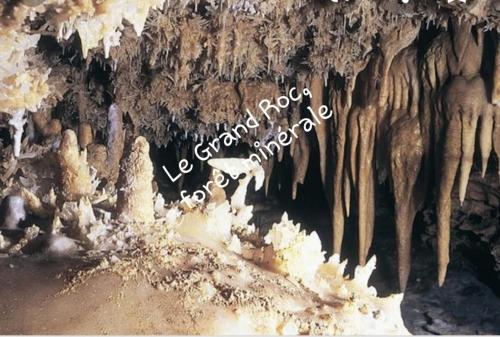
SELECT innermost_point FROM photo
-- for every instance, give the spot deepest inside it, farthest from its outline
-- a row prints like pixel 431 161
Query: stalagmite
pixel 135 185
pixel 97 155
pixel 85 136
pixel 74 173
pixel 322 129
pixel 12 211
pixel 217 195
pixel 32 203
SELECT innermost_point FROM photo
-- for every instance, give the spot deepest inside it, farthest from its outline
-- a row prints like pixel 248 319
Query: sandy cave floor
pixel 199 292
pixel 104 306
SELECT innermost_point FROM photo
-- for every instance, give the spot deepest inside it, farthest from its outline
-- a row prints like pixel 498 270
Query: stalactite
pixel 396 39
pixel 106 159
pixel 495 95
pixel 463 103
pixel 496 133
pixel 486 137
pixel 392 42
pixel 450 162
pixel 458 108
pixel 361 133
pixel 322 130
pixel 295 116
pixel 383 126
pixel 366 180
pixel 406 152
pixel 283 123
pixel 183 153
pixel 470 115
pixel 268 166
pixel 300 160
pixel 341 101
pixel 467 43
pixel 353 135
pixel 116 140
pixel 347 189
pixel 434 74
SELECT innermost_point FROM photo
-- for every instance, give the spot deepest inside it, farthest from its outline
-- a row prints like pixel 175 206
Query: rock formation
pixel 411 87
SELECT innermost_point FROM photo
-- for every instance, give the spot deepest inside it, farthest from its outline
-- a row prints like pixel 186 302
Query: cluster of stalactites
pixel 414 127
pixel 403 119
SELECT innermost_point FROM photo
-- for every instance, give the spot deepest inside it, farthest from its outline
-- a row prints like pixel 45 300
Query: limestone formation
pixel 135 185
pixel 411 87
pixel 74 172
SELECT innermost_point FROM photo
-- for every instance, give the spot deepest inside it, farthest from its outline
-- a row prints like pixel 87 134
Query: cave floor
pixel 30 302
pixel 464 305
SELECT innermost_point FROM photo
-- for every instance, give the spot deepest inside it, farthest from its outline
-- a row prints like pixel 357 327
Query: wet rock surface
pixel 464 305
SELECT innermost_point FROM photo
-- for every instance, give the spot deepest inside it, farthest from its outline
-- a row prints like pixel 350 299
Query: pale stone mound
pixel 201 270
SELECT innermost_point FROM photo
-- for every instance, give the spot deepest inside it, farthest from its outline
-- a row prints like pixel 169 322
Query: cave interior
pixel 405 167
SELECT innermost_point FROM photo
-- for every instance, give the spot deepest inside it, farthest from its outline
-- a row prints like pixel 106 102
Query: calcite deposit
pixel 135 184
pixel 90 89
pixel 218 267
pixel 74 172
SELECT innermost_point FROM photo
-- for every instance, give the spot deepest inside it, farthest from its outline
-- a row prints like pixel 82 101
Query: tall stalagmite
pixel 135 185
pixel 74 172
